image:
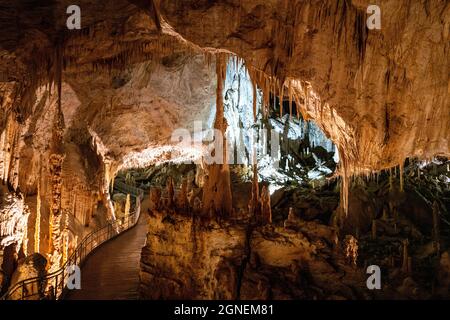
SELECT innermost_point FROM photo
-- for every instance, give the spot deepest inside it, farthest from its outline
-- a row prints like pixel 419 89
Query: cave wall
pixel 195 258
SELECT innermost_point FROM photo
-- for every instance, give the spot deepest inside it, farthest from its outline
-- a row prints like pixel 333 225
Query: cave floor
pixel 112 271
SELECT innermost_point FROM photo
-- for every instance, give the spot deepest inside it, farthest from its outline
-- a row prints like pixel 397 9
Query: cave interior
pixel 242 149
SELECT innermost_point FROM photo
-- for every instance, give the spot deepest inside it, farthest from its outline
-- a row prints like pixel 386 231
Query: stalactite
pixel 112 182
pixel 37 227
pixel 391 187
pixel 401 176
pixel 25 241
pixel 345 182
pixel 255 101
pixel 7 150
pixel 89 213
pixel 2 154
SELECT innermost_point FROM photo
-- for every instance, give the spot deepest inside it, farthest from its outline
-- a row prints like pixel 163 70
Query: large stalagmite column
pixel 217 188
pixel 55 161
pixel 106 185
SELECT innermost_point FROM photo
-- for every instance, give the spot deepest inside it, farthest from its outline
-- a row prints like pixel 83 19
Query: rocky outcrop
pixel 185 258
pixel 13 232
pixel 193 258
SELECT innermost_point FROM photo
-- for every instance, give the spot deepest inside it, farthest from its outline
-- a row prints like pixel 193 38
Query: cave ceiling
pixel 381 96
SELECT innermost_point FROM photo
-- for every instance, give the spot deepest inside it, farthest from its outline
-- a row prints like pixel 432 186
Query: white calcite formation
pixel 13 219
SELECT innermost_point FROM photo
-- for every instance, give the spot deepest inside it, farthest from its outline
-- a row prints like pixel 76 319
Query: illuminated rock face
pixel 13 228
pixel 13 219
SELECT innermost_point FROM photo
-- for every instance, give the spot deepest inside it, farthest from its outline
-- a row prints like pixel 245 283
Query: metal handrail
pixel 53 285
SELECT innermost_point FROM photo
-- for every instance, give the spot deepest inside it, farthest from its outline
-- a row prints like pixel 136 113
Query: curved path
pixel 112 271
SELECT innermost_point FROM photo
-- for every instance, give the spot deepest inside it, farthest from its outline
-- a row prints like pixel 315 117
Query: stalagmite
pixel 217 188
pixel 291 215
pixel 254 205
pixel 351 249
pixel 127 206
pixel 170 193
pixel 155 198
pixel 436 228
pixel 266 210
pixel 374 229
pixel 255 191
pixel 212 210
pixel 405 256
pixel 410 265
pixel 385 216
pixel 55 161
pixel 182 199
pixel 106 196
pixel 197 208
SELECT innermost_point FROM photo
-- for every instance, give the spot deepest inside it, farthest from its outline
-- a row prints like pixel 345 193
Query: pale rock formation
pixel 187 258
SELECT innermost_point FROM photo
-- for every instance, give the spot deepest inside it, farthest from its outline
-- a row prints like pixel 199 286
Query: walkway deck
pixel 112 271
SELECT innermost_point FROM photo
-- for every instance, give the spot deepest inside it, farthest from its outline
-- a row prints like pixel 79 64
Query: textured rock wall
pixel 201 259
pixel 185 259
pixel 13 232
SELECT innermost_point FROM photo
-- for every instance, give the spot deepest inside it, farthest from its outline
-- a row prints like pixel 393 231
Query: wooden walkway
pixel 112 271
